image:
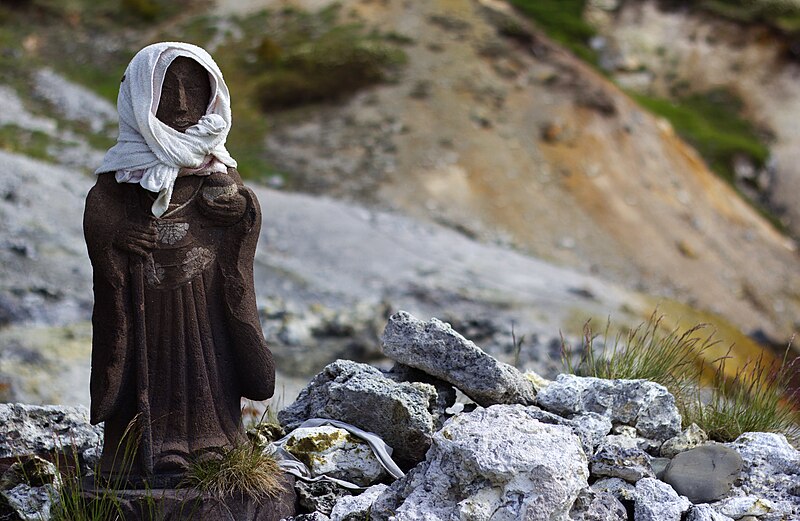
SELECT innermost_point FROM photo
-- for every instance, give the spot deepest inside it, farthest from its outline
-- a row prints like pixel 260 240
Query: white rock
pixel 657 501
pixel 33 429
pixel 704 512
pixel 357 507
pixel 770 471
pixel 688 439
pixel 645 405
pixel 74 101
pixel 492 464
pixel 30 503
pixel 737 507
pixel 334 452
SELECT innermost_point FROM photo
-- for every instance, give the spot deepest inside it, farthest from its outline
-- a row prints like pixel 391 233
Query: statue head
pixel 185 94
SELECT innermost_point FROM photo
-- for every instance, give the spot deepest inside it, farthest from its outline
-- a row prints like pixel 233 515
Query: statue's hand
pixel 225 209
pixel 136 239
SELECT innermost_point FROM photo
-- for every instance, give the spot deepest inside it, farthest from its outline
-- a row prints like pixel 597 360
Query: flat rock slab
pixel 704 474
pixel 437 349
pixel 190 505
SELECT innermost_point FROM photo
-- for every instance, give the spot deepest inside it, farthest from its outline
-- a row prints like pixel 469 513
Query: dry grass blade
pixel 245 470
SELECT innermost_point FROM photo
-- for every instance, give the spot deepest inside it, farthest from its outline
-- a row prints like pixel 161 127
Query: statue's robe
pixel 177 339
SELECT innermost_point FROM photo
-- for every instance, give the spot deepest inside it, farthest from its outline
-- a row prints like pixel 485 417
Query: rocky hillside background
pixel 465 159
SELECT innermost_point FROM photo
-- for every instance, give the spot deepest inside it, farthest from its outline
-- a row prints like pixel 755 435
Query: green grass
pixel 563 21
pixel 31 143
pixel 712 122
pixel 758 397
pixel 245 469
pixel 783 15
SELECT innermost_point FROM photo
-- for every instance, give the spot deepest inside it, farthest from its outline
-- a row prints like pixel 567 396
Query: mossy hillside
pixel 563 21
pixel 783 15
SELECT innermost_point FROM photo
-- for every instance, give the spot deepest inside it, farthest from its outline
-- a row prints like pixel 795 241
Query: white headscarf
pixel 148 151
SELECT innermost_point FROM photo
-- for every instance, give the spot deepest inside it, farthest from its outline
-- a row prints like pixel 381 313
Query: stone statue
pixel 171 233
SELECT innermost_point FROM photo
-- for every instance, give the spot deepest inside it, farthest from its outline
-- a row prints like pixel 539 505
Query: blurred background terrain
pixel 513 167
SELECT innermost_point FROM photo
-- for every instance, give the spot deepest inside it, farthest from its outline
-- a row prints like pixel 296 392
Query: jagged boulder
pixel 597 506
pixel 361 395
pixel 437 349
pixel 357 508
pixel 657 501
pixel 495 463
pixel 642 404
pixel 770 470
pixel 45 429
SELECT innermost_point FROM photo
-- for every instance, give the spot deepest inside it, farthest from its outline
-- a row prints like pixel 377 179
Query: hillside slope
pixel 515 140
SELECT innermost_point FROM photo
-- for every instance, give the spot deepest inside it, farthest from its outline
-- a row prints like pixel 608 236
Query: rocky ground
pixel 513 446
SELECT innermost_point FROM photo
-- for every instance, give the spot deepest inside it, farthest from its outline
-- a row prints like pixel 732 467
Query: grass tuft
pixel 757 397
pixel 563 21
pixel 245 470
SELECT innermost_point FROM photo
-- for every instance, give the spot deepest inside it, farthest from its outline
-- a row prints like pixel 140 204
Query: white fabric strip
pixel 149 152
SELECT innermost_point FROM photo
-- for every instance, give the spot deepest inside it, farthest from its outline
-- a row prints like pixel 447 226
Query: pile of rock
pixel 577 448
pixel 510 446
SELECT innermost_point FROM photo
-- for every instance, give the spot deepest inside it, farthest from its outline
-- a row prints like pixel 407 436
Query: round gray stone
pixel 705 473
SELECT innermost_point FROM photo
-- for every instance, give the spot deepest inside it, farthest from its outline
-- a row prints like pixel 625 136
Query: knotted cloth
pixel 150 152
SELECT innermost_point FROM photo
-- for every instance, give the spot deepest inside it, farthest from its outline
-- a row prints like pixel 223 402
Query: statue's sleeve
pixel 254 363
pixel 104 214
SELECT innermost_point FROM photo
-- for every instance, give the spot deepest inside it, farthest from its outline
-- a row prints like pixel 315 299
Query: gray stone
pixel 597 506
pixel 357 508
pixel 361 395
pixel 33 471
pixel 42 430
pixel 705 473
pixel 645 405
pixel 496 463
pixel 690 438
pixel 659 466
pixel 619 488
pixel 705 513
pixel 770 471
pixel 590 427
pixel 445 392
pixel 334 452
pixel 657 501
pixel 319 496
pixel 75 102
pixel 738 507
pixel 27 503
pixel 628 463
pixel 632 442
pixel 435 348
pixel 313 516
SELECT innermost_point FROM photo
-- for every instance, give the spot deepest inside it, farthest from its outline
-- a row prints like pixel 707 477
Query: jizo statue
pixel 172 233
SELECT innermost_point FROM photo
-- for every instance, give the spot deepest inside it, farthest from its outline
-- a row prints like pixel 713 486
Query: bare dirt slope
pixel 517 141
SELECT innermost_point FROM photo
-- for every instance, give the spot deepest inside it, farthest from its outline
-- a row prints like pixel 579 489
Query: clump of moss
pixel 333 65
pixel 563 21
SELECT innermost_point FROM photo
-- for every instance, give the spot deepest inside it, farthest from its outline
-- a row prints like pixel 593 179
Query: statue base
pixel 176 504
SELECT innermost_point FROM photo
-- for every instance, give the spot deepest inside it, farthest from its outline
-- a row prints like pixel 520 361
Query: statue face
pixel 185 94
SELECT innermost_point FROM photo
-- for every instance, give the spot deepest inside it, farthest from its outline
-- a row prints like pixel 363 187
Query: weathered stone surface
pixel 33 429
pixel 334 452
pixel 771 469
pixel 594 506
pixel 645 405
pixel 690 438
pixel 437 349
pixel 357 508
pixel 738 507
pixel 319 496
pixel 361 395
pixel 495 463
pixel 27 503
pixel 657 501
pixel 705 513
pixel 33 471
pixel 628 463
pixel 659 466
pixel 705 473
pixel 314 516
pixel 619 488
pixel 589 427
pixel 445 392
